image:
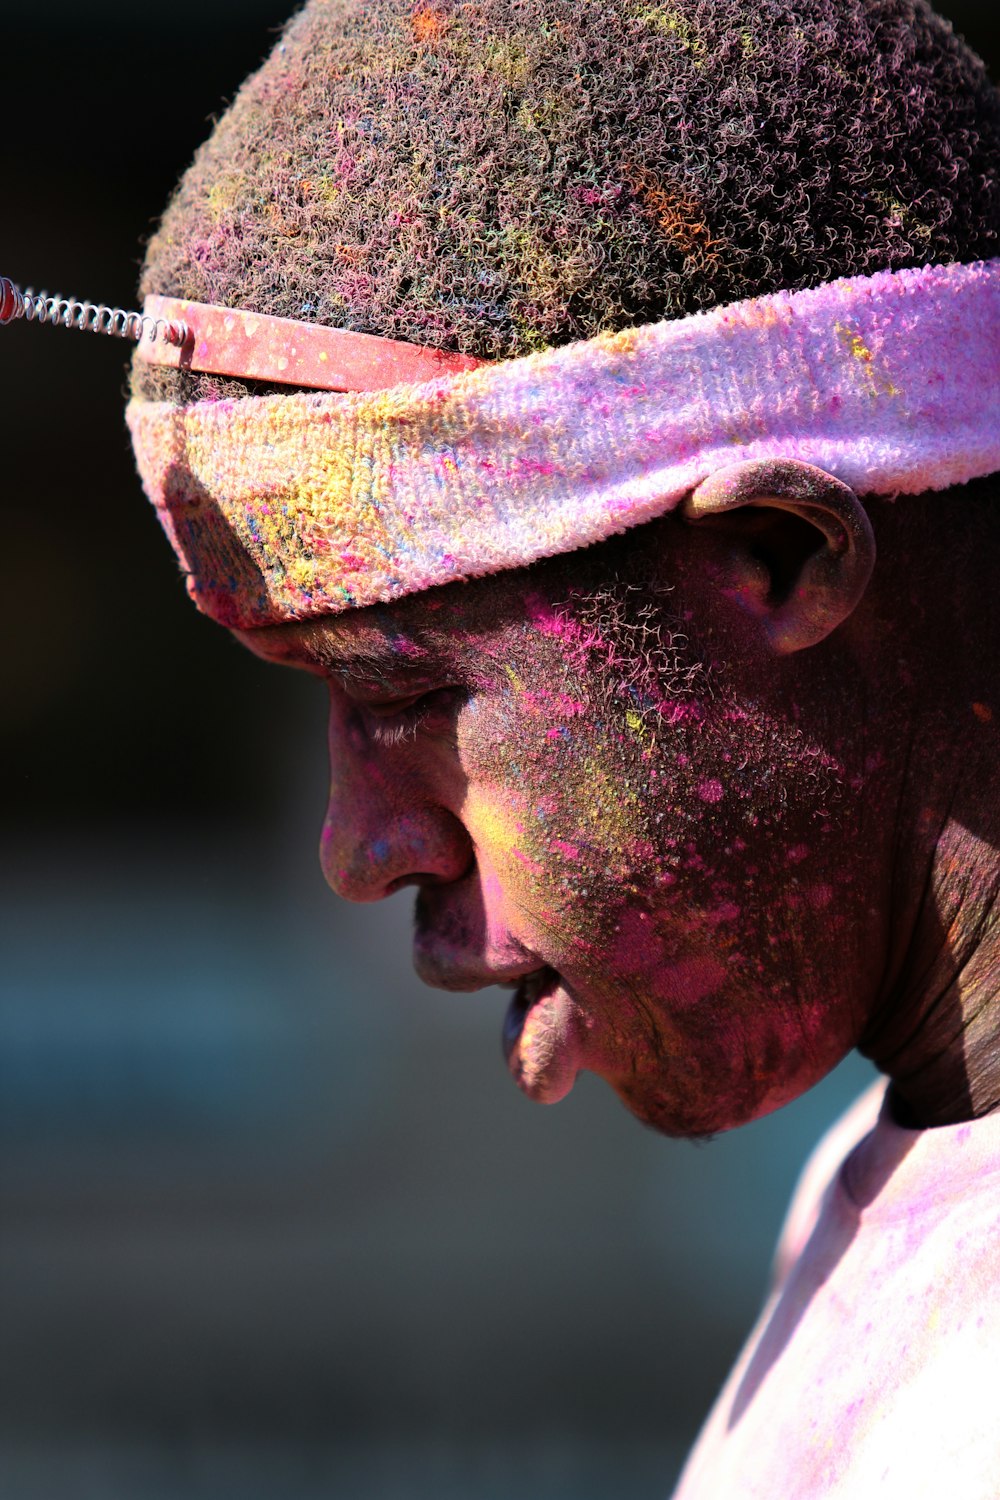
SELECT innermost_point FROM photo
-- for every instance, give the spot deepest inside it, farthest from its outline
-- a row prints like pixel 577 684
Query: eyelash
pixel 394 726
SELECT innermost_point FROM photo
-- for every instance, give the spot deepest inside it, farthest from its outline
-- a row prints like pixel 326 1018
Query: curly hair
pixel 494 176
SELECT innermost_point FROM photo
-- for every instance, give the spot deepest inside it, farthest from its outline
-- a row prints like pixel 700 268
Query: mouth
pixel 543 1037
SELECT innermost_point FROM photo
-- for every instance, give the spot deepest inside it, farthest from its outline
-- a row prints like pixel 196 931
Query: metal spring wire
pixel 91 317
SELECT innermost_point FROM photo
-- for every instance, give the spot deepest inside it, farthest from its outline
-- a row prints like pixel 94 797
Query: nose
pixel 384 828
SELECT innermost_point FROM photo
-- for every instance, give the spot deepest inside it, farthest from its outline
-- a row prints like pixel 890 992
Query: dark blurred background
pixel 274 1222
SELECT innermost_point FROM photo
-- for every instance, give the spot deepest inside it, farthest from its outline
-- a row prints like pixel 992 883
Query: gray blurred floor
pixel 274 1221
pixel 572 1469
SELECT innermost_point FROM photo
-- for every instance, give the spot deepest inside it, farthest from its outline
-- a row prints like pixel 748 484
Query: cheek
pixel 553 835
pixel 572 823
pixel 649 840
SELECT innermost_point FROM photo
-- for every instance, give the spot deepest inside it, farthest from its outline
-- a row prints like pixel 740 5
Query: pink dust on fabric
pixel 875 1364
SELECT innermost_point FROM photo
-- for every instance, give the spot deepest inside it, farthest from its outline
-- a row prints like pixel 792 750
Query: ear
pixel 799 546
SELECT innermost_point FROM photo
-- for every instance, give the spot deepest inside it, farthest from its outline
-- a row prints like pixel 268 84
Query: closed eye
pixel 399 719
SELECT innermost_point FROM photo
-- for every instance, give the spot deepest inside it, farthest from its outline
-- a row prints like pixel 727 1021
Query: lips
pixel 544 1029
pixel 530 989
pixel 543 1036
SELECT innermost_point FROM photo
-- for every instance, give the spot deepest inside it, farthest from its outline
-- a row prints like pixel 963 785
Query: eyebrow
pixel 374 658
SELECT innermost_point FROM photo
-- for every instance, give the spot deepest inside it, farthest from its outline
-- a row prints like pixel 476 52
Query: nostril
pixel 420 878
pixel 362 862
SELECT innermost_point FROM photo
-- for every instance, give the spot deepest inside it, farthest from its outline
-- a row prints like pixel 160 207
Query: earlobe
pixel 800 548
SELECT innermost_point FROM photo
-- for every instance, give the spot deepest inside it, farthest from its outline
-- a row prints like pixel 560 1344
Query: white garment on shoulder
pixel 874 1369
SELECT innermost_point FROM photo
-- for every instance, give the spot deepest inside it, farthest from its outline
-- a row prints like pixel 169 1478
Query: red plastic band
pixel 10 301
pixel 252 346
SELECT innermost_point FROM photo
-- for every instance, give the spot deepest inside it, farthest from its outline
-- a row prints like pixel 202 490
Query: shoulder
pixel 819 1174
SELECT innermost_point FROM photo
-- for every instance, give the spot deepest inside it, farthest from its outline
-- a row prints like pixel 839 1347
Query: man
pixel 715 795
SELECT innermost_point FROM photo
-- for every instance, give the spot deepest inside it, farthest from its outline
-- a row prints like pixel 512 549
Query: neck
pixel 936 1031
pixel 937 1034
pixel 935 717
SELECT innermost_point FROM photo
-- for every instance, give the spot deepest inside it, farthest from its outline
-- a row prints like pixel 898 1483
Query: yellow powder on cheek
pixel 492 825
pixel 605 810
pixel 494 818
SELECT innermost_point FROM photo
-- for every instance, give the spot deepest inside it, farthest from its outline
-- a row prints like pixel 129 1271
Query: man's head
pixel 499 178
pixel 590 772
pixel 656 784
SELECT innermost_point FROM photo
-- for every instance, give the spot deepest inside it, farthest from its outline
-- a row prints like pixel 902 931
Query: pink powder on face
pixel 577 642
pixel 562 704
pixel 727 911
pixel 694 979
pixel 819 896
pixel 404 647
pixel 529 864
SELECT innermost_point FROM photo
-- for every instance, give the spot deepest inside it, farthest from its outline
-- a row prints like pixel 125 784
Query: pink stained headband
pixel 285 507
pixel 226 341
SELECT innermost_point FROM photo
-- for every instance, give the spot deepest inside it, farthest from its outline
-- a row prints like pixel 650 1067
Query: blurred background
pixel 273 1219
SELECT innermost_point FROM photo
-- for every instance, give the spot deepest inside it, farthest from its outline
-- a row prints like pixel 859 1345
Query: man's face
pixel 668 868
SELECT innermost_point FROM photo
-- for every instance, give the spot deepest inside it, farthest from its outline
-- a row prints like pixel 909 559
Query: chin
pixel 693 1119
pixel 669 1120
